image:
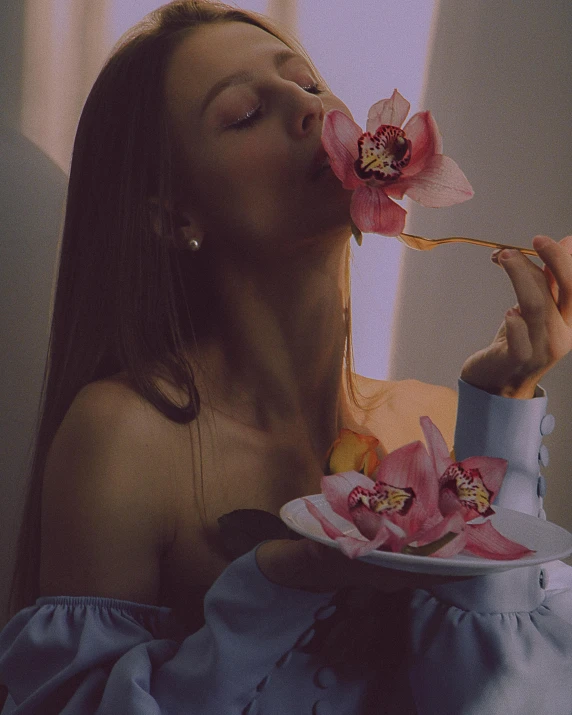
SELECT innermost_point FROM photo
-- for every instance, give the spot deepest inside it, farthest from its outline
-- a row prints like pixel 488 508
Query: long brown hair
pixel 122 301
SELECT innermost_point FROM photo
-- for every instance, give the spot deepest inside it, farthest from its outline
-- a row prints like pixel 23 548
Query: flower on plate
pixel 419 501
pixel 388 162
pixel 353 452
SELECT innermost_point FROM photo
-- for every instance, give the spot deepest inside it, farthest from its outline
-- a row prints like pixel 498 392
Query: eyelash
pixel 252 117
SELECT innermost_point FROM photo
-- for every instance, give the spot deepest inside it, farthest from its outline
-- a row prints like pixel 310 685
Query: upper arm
pixel 105 503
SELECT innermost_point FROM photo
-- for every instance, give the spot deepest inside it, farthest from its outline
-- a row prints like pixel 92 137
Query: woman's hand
pixel 310 566
pixel 537 332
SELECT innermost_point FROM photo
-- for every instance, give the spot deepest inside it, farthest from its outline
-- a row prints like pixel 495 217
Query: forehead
pixel 212 52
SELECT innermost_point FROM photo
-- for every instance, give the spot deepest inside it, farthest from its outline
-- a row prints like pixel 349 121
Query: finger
pixel 558 260
pixel 553 286
pixel 533 294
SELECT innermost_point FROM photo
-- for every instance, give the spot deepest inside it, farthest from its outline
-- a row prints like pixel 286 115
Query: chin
pixel 330 232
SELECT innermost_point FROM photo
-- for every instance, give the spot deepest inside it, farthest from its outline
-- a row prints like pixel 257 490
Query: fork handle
pixel 490 244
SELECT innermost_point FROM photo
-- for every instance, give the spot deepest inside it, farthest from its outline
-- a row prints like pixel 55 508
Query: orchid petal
pixel 454 547
pixel 436 446
pixel 484 540
pixel 440 183
pixel 390 111
pixel 373 212
pixel 492 469
pixel 366 520
pixel 409 466
pixel 452 522
pixel 353 547
pixel 349 545
pixel 394 529
pixel 329 529
pixel 397 536
pixel 449 502
pixel 398 467
pixel 337 487
pixel 426 141
pixel 340 135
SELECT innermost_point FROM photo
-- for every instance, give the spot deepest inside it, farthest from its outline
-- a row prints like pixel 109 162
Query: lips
pixel 320 162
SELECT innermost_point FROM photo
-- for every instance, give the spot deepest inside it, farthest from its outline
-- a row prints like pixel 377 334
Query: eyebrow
pixel 279 59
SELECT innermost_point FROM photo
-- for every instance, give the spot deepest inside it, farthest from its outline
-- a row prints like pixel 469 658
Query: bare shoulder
pixel 392 409
pixel 107 496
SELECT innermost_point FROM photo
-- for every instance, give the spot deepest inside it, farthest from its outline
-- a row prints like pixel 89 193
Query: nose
pixel 307 111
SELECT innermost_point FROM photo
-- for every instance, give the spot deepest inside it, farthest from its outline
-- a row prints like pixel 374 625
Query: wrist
pixel 523 392
pixel 514 389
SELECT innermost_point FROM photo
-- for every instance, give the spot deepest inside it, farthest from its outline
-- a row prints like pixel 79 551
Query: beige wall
pixel 498 83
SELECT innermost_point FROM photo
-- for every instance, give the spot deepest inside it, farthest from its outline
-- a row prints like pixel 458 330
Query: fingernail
pixel 541 241
pixel 495 256
pixel 507 253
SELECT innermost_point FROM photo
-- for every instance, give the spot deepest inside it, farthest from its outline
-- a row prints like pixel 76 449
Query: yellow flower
pixel 353 452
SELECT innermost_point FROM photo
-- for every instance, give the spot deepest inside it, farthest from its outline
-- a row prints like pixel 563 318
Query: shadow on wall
pixel 32 194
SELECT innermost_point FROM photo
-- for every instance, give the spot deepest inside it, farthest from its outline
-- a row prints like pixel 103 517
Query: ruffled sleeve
pixel 500 643
pixel 81 655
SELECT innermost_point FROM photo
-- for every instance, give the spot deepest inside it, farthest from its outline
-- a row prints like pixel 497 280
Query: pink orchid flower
pixel 388 162
pixel 419 501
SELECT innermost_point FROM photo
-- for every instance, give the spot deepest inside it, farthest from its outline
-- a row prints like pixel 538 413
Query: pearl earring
pixel 194 245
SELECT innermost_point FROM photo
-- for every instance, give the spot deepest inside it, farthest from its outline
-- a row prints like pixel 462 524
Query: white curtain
pixel 65 44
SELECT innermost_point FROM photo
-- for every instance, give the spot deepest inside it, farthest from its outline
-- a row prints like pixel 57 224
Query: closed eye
pixel 248 120
pixel 255 114
pixel 314 88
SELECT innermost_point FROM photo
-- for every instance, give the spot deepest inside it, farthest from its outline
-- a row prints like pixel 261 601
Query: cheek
pixel 254 171
pixel 252 158
pixel 241 192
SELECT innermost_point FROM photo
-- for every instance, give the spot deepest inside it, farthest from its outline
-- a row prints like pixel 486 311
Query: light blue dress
pixel 495 645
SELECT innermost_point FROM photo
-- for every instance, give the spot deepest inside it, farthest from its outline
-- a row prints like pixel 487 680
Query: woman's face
pixel 247 114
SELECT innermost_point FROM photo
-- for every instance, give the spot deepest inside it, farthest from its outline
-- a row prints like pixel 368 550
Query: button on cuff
pixel 547 425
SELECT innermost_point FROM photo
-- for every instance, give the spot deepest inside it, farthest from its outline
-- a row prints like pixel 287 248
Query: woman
pixel 201 335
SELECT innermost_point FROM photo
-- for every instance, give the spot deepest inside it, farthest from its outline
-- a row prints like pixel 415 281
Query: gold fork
pixel 425 244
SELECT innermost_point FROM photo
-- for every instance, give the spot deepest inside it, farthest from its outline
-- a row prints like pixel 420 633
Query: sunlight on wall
pixel 364 49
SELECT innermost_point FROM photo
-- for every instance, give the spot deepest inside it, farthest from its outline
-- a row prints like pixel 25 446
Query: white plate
pixel 550 542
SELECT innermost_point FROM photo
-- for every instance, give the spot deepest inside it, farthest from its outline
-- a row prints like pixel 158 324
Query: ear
pixel 175 224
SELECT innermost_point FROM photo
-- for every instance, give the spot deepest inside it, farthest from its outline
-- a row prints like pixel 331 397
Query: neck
pixel 276 355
